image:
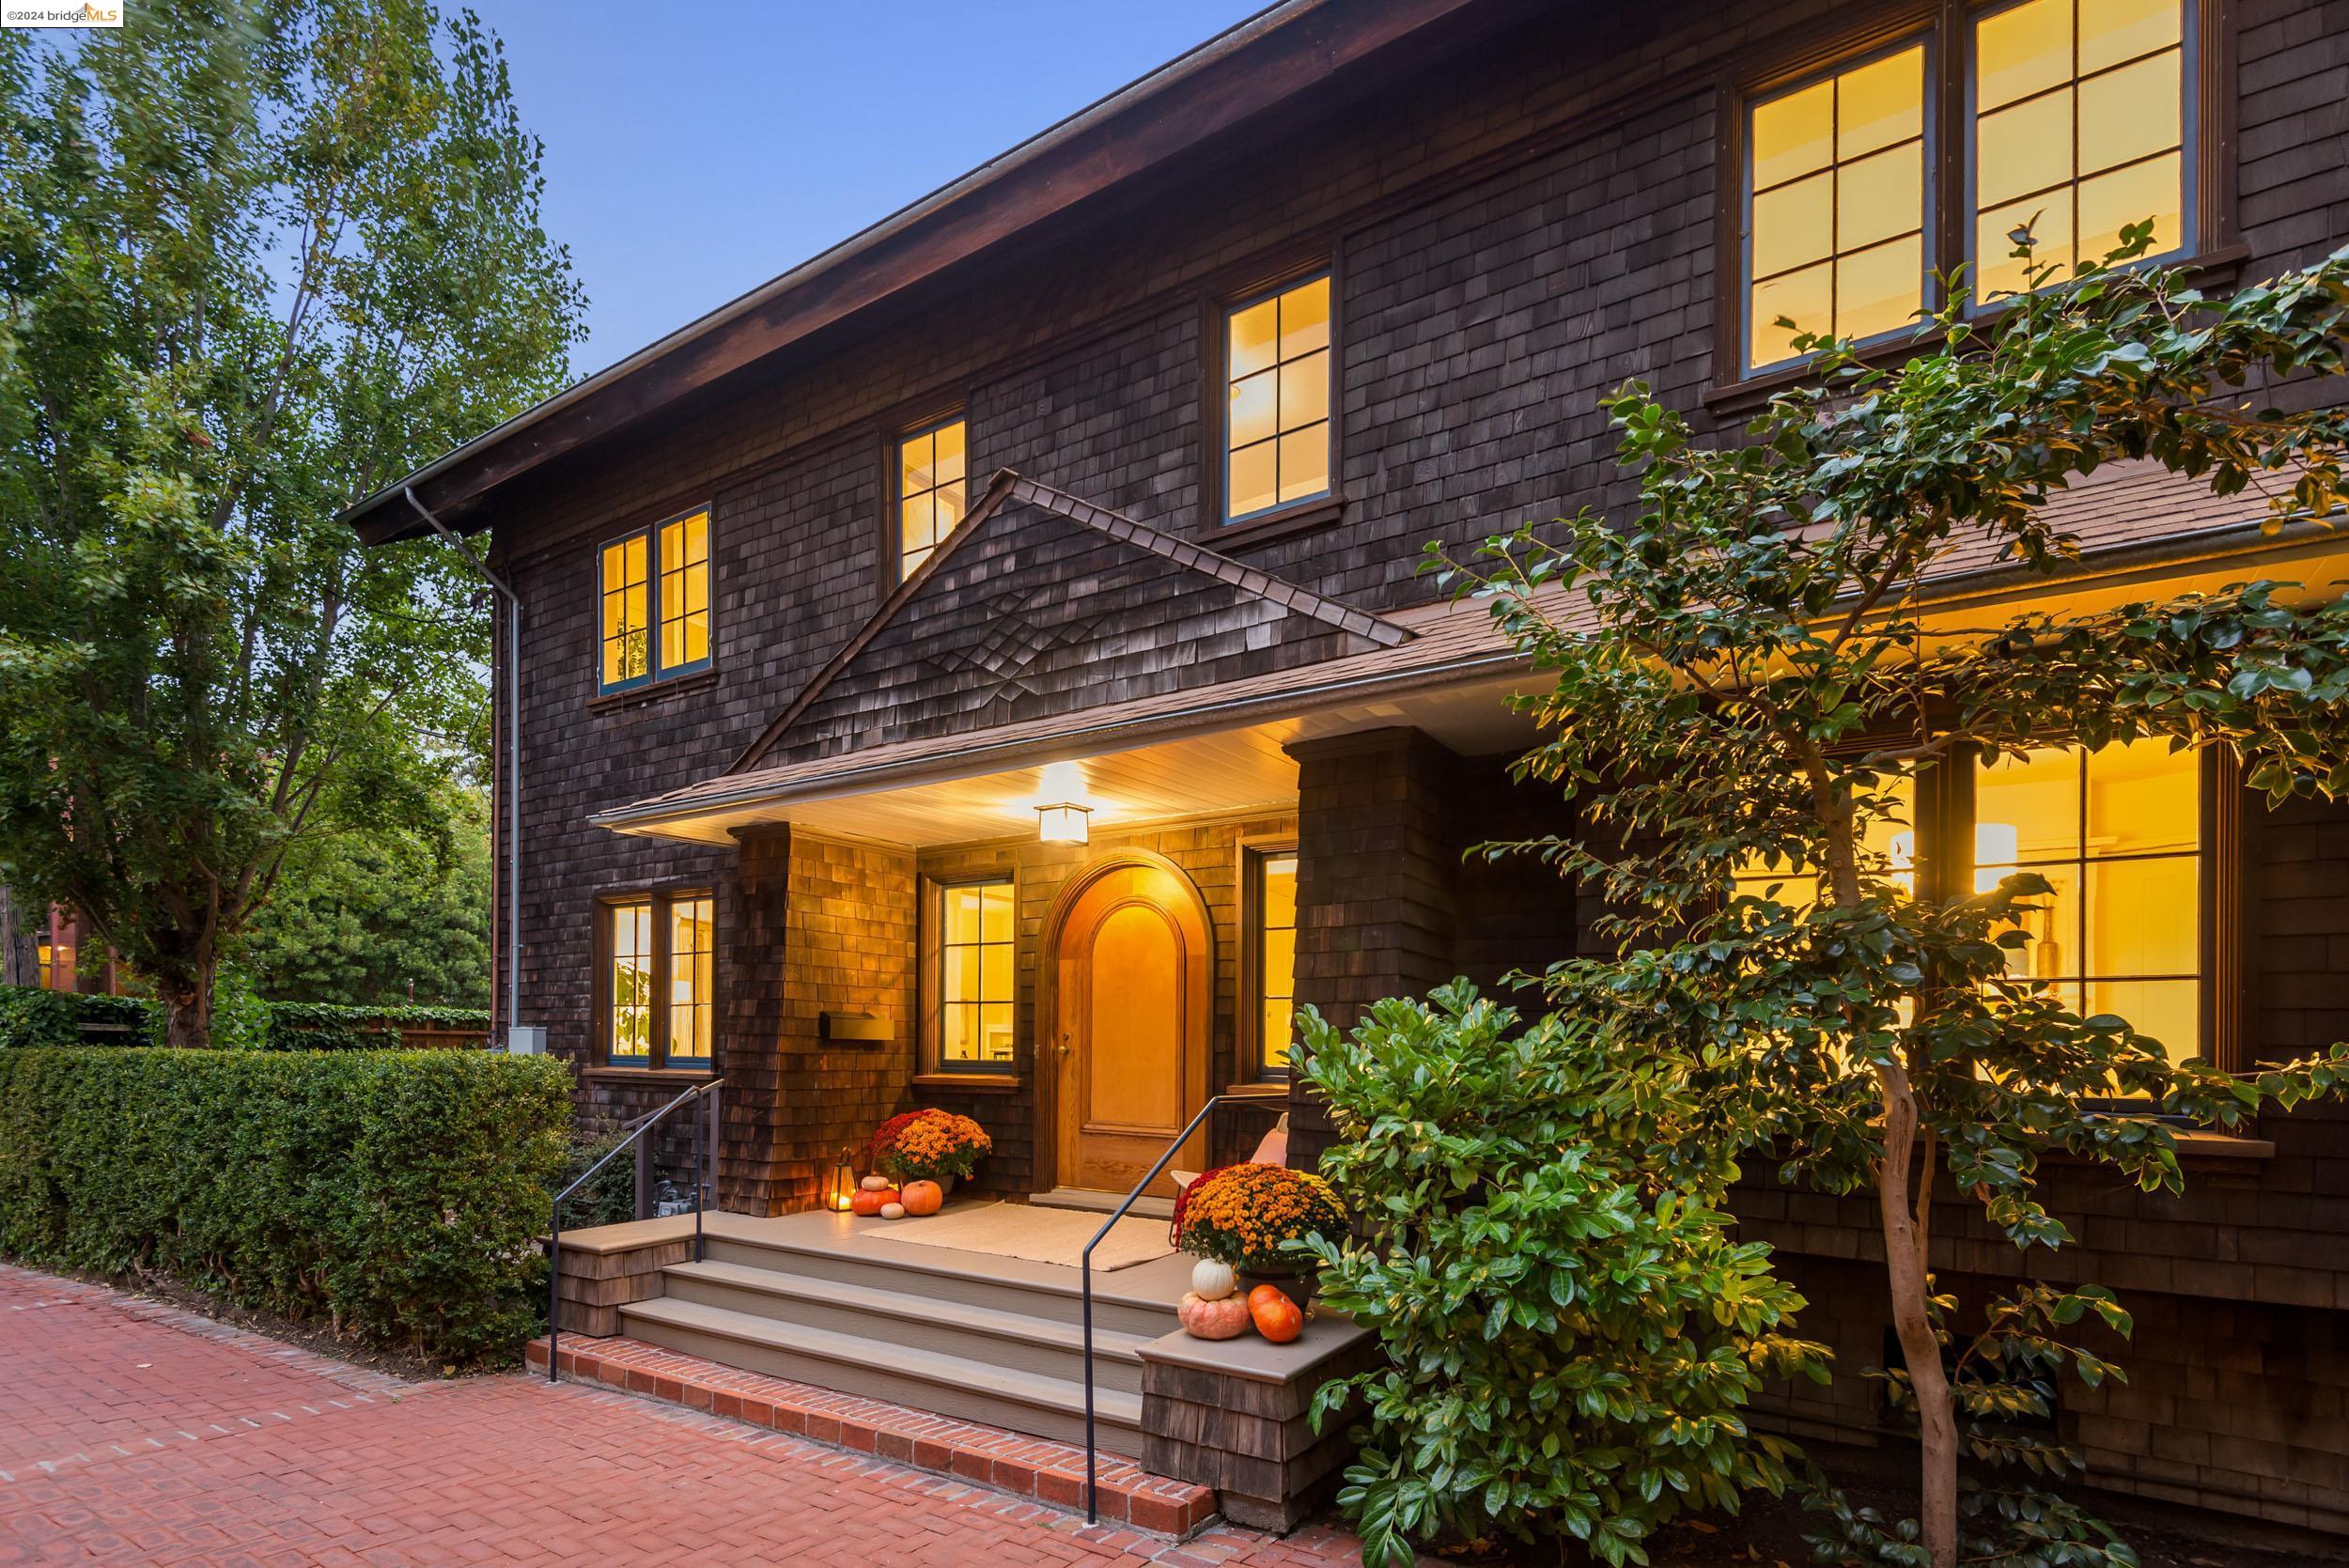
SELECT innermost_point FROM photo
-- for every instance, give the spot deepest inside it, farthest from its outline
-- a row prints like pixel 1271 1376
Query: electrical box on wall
pixel 526 1039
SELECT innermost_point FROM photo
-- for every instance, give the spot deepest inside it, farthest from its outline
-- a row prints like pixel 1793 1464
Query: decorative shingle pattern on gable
pixel 996 646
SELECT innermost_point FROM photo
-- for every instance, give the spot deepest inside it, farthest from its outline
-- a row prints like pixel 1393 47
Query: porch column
pixel 750 1018
pixel 1377 857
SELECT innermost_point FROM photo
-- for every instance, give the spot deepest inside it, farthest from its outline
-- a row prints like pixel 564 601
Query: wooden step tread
pixel 784 1286
pixel 1111 1406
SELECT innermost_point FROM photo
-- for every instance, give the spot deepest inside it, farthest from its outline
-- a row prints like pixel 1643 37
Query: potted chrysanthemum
pixel 1255 1217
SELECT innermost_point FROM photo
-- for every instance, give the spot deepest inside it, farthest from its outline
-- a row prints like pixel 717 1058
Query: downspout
pixel 515 1039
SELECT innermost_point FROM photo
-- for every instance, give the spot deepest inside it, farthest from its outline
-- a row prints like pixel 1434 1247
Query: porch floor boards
pixel 1038 1468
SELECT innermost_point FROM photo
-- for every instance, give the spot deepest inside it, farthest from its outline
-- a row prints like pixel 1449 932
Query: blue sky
pixel 698 156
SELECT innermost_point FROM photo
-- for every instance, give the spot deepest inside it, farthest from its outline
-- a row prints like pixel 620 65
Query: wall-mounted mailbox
pixel 861 1029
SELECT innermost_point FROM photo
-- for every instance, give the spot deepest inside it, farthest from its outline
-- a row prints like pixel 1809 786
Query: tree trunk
pixel 1906 1270
pixel 188 1007
pixel 20 956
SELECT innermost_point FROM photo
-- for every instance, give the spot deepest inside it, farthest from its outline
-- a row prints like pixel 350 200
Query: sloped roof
pixel 2124 515
pixel 1008 488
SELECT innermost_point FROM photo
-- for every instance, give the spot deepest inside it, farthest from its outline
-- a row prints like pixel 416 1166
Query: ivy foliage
pixel 394 1195
pixel 1570 1343
pixel 33 1016
pixel 1752 669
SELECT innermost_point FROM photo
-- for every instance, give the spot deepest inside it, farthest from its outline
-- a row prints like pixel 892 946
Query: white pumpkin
pixel 1211 1281
pixel 873 1184
pixel 893 1211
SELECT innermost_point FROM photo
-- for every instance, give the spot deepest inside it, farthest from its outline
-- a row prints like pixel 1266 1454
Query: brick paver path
pixel 131 1432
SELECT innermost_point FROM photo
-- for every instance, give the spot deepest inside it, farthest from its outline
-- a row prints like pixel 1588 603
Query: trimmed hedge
pixel 392 1194
pixel 31 1016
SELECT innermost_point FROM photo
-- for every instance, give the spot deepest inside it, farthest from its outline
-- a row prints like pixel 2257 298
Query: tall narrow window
pixel 974 988
pixel 685 592
pixel 2117 834
pixel 629 1036
pixel 627 621
pixel 1277 404
pixel 1272 900
pixel 1835 212
pixel 654 584
pixel 933 492
pixel 691 944
pixel 658 953
pixel 2078 128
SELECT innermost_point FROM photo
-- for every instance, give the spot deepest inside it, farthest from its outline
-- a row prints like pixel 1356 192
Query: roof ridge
pixel 1008 485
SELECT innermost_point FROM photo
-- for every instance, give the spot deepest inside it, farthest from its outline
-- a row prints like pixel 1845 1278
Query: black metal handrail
pixel 1093 1453
pixel 705 1146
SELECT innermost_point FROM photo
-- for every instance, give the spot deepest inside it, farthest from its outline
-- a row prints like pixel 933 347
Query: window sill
pixel 1258 1092
pixel 609 1073
pixel 1299 516
pixel 653 692
pixel 968 1083
pixel 2217 265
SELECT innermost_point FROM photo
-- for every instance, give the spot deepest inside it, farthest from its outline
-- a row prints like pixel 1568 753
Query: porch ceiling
pixel 959 800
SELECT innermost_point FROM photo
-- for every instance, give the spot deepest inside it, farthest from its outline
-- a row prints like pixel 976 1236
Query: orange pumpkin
pixel 1275 1315
pixel 868 1200
pixel 923 1197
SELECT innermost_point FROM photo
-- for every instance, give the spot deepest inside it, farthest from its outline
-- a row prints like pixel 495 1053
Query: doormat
pixel 1035 1234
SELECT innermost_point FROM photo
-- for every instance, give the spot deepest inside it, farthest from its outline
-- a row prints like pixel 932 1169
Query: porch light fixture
pixel 1065 823
pixel 840 1187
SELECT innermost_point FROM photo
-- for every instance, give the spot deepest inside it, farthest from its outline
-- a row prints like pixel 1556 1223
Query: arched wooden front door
pixel 1133 999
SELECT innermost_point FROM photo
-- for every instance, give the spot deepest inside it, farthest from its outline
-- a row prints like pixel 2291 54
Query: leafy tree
pixel 257 258
pixel 381 916
pixel 1570 1343
pixel 1749 672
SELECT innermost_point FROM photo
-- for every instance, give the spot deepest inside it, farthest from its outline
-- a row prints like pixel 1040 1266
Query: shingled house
pixel 987 667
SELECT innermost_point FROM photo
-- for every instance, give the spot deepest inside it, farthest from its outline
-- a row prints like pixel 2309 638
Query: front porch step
pixel 891 1317
pixel 1022 1400
pixel 1091 1201
pixel 964 1279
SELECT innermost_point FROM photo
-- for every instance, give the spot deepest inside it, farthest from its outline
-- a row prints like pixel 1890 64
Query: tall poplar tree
pixel 258 258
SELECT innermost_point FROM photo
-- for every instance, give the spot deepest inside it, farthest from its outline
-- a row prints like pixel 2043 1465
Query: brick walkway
pixel 131 1432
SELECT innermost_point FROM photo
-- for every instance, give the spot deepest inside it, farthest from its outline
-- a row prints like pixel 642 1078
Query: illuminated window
pixel 2117 834
pixel 660 994
pixel 1276 426
pixel 674 555
pixel 2078 126
pixel 626 637
pixel 932 492
pixel 692 931
pixel 685 592
pixel 974 991
pixel 630 1023
pixel 1835 213
pixel 1272 914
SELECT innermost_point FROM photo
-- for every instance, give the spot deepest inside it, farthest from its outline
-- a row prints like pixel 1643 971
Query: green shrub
pixel 392 1194
pixel 31 1016
pixel 610 1199
pixel 1571 1340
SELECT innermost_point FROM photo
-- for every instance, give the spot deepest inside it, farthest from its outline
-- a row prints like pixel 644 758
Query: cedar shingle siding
pixel 1511 229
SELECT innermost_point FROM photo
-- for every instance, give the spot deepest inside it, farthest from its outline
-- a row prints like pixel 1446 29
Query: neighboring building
pixel 1100 477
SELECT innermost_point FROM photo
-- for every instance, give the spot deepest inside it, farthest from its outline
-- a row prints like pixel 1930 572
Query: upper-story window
pixel 1836 217
pixel 1277 377
pixel 654 591
pixel 2077 120
pixel 2078 126
pixel 933 491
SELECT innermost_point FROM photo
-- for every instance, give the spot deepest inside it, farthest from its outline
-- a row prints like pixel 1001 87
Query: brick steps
pixel 1046 1472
